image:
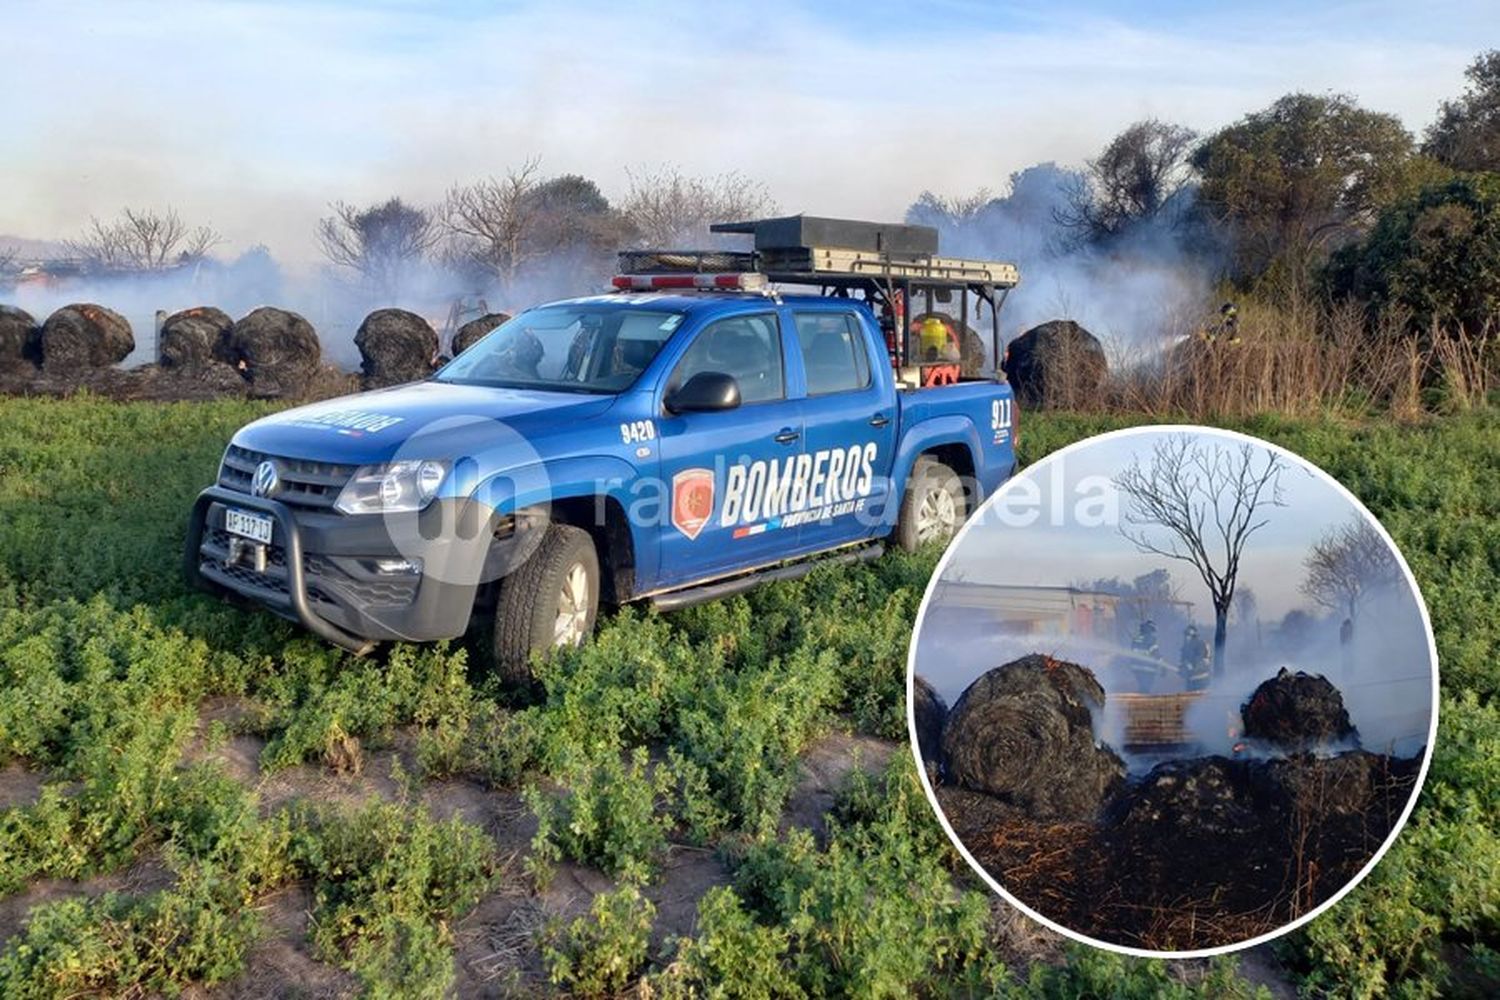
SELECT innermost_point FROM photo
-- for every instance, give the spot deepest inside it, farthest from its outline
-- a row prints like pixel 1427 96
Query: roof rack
pixel 890 266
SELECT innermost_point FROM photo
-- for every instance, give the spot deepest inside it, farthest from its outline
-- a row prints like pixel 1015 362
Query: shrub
pixel 612 815
pixel 602 953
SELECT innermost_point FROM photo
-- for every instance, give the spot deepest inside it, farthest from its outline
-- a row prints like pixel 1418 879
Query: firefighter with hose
pixel 1194 660
pixel 1145 663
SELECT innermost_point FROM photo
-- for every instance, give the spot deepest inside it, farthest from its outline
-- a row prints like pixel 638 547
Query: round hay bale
pixel 972 348
pixel 84 336
pixel 475 330
pixel 395 346
pixel 1056 363
pixel 1024 732
pixel 19 335
pixel 194 337
pixel 277 350
pixel 1298 711
pixel 930 712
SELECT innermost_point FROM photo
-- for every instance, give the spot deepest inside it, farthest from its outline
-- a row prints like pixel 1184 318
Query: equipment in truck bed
pixel 887 265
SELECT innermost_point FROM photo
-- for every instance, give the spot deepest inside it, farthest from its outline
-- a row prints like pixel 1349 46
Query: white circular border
pixel 911 667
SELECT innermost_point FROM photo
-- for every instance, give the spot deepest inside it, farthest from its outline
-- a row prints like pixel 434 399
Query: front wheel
pixel 933 508
pixel 551 601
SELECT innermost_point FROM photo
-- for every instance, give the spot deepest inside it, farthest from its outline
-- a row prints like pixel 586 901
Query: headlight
pixel 391 489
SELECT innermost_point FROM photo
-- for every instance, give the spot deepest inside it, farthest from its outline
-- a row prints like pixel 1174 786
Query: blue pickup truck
pixel 684 438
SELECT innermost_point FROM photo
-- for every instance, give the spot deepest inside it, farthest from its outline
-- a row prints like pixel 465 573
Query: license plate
pixel 251 526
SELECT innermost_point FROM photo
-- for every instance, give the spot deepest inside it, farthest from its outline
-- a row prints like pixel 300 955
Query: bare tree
pixel 8 255
pixel 146 240
pixel 666 207
pixel 1346 564
pixel 1206 501
pixel 380 242
pixel 489 222
pixel 949 212
pixel 1135 179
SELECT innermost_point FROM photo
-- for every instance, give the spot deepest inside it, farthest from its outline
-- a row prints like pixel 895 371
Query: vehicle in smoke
pixel 690 436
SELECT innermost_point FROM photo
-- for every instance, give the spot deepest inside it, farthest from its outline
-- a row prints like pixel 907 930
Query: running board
pixel 689 596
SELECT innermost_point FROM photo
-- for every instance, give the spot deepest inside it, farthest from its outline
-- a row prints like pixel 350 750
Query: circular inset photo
pixel 1173 690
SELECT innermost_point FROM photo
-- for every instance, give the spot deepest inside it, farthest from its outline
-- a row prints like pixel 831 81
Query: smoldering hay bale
pixel 474 331
pixel 1297 711
pixel 194 338
pixel 930 712
pixel 1199 795
pixel 277 350
pixel 1024 732
pixel 19 333
pixel 85 336
pixel 395 346
pixel 1055 362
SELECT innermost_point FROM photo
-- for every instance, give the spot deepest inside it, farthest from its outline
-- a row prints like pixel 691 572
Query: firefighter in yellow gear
pixel 1226 330
pixel 934 337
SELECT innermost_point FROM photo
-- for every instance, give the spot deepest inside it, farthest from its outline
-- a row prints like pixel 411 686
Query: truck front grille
pixel 323 577
pixel 303 483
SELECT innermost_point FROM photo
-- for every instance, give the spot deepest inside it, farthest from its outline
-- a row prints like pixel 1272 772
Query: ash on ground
pixel 1196 853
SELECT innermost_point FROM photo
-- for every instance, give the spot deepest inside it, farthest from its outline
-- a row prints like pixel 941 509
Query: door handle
pixel 879 420
pixel 787 436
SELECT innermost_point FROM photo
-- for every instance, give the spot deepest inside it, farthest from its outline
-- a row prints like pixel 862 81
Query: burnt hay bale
pixel 277 350
pixel 474 331
pixel 1024 733
pixel 1194 796
pixel 395 346
pixel 930 712
pixel 1057 362
pixel 20 345
pixel 84 336
pixel 194 338
pixel 1297 711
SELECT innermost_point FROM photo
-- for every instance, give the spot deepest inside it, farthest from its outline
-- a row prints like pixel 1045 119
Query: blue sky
pixel 254 115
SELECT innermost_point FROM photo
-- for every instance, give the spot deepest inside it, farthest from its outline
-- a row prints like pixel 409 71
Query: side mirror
pixel 705 392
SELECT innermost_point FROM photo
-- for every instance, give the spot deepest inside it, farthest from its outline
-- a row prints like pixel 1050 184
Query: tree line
pixel 1313 195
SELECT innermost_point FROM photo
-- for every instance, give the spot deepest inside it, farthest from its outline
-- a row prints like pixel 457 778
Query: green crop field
pixel 717 802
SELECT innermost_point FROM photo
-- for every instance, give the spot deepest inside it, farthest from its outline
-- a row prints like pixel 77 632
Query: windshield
pixel 576 348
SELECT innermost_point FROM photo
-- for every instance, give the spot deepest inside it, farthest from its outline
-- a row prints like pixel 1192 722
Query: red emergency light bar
pixel 737 282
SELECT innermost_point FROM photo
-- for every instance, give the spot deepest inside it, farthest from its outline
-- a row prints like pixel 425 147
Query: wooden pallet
pixel 1156 721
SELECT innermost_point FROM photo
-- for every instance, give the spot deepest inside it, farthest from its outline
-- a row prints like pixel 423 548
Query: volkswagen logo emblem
pixel 266 481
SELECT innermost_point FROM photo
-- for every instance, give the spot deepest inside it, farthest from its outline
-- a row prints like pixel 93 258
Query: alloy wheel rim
pixel 572 607
pixel 937 515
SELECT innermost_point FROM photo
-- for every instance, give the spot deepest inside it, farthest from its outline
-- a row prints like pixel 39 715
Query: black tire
pixel 934 483
pixel 530 601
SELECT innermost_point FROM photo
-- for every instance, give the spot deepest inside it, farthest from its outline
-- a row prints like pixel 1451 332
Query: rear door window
pixel 833 353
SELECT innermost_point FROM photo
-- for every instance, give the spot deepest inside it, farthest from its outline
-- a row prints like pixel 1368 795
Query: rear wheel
pixel 934 506
pixel 551 601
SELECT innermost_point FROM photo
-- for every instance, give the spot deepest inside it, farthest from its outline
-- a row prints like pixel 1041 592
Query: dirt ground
pixel 496 943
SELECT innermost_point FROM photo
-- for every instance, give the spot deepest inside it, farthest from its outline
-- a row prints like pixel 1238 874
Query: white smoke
pixel 1135 294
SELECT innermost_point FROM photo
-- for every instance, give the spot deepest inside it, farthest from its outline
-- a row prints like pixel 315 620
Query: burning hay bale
pixel 1024 732
pixel 474 331
pixel 195 338
pixel 19 333
pixel 277 350
pixel 84 336
pixel 930 712
pixel 1056 363
pixel 395 346
pixel 1298 711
